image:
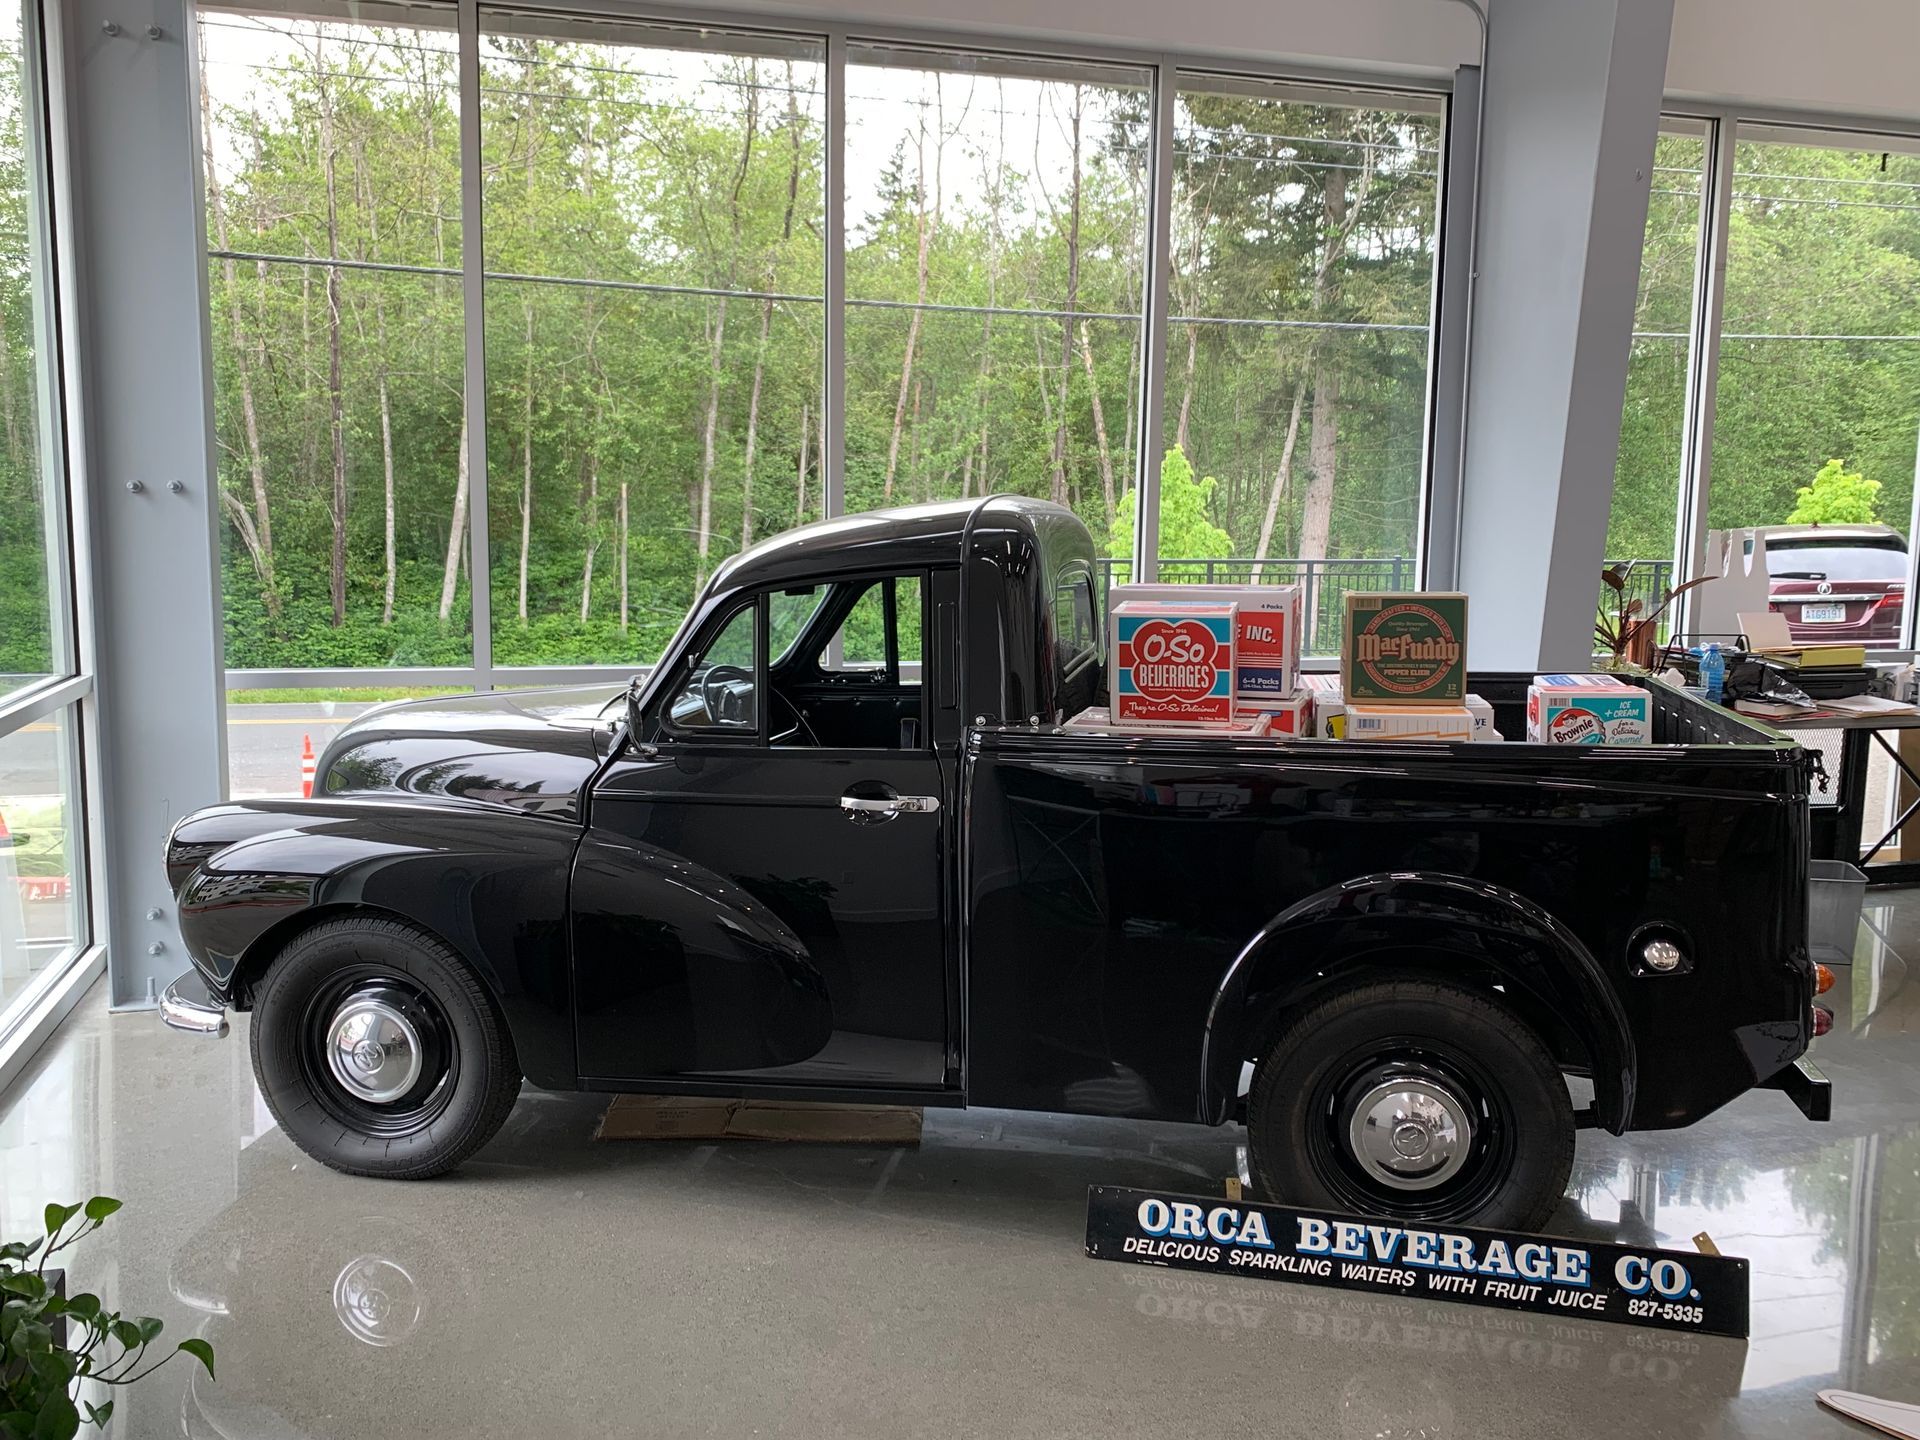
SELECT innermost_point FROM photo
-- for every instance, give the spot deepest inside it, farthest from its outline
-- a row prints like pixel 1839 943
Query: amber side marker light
pixel 1822 1020
pixel 1822 979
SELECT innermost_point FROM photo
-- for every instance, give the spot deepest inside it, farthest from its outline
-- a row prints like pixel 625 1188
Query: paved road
pixel 263 743
pixel 263 749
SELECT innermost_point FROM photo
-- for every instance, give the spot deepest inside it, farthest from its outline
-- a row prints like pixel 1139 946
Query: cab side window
pixel 881 635
pixel 1077 650
pixel 719 691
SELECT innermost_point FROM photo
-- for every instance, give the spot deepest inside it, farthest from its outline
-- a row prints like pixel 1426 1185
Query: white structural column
pixel 1572 97
pixel 144 465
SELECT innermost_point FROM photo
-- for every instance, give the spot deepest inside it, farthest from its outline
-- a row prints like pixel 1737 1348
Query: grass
pixel 40 837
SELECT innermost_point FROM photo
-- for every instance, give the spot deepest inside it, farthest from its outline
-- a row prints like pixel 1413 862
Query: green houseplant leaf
pixel 201 1351
pixel 40 1363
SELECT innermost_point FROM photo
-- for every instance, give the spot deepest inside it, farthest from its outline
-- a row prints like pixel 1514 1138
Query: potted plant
pixel 50 1341
pixel 1627 636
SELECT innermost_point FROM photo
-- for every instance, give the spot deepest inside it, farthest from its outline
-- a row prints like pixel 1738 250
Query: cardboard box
pixel 1329 703
pixel 1450 723
pixel 1173 663
pixel 694 1117
pixel 1588 710
pixel 1482 719
pixel 1290 716
pixel 1249 726
pixel 1267 640
pixel 1404 648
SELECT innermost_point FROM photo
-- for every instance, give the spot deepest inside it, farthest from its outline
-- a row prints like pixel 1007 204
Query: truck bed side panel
pixel 1112 882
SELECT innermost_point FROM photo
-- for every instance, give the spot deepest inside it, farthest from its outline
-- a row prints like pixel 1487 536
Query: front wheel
pixel 379 1053
pixel 1413 1099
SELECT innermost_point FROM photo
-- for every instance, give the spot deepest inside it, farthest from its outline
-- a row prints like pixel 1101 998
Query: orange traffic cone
pixel 308 765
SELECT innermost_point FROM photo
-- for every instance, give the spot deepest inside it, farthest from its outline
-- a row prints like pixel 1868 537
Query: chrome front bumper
pixel 189 1005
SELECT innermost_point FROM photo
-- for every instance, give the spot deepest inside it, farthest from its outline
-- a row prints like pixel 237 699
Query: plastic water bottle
pixel 1713 672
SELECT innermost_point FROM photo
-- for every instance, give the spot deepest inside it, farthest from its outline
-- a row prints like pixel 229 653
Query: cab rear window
pixel 1075 625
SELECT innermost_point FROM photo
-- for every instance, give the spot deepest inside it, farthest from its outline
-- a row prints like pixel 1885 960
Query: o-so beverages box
pixel 1409 722
pixel 1266 656
pixel 1588 710
pixel 1404 648
pixel 1173 663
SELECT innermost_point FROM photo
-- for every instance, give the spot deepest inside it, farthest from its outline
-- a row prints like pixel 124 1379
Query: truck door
pixel 761 891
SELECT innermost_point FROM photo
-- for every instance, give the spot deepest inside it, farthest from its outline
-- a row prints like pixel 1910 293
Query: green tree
pixel 1838 496
pixel 1185 530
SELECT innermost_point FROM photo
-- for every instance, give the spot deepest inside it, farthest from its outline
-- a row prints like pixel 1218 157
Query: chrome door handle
pixel 875 812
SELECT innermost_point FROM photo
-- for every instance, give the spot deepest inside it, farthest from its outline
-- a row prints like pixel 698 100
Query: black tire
pixel 1356 1053
pixel 466 1080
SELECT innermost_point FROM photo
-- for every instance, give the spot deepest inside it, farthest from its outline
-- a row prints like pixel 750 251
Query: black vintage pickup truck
pixel 839 846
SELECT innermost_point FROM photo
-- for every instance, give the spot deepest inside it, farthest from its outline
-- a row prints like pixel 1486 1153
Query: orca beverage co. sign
pixel 1669 1289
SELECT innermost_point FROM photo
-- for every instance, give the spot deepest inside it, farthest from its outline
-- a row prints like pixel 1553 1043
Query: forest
pixel 653 225
pixel 653 219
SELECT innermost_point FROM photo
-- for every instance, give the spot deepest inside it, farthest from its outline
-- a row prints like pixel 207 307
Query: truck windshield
pixel 787 615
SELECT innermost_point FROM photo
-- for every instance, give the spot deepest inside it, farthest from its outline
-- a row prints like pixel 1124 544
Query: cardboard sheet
pixel 693 1117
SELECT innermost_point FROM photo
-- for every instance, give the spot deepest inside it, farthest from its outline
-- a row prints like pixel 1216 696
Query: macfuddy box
pixel 1404 648
pixel 1285 715
pixel 1249 725
pixel 1266 661
pixel 1451 723
pixel 1588 710
pixel 1173 663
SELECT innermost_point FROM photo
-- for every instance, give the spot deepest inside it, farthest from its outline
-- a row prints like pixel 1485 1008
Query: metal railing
pixel 1647 582
pixel 1325 583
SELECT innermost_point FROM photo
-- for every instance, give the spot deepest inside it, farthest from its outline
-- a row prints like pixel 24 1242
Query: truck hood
pixel 531 750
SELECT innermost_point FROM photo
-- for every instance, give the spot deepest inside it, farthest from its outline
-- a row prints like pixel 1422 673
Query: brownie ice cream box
pixel 1588 710
pixel 1404 648
pixel 1173 663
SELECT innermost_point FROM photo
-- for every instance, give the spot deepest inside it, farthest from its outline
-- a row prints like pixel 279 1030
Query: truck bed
pixel 1111 880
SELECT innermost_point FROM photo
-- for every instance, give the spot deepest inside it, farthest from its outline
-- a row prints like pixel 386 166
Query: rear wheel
pixel 1414 1099
pixel 378 1052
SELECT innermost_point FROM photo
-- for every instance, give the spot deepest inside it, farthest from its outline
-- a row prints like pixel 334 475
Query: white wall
pixel 1858 57
pixel 1411 37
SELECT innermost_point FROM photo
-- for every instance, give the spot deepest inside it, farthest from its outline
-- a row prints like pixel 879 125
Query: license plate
pixel 1822 614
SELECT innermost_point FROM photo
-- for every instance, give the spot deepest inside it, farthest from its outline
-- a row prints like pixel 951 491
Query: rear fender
pixel 1445 925
pixel 490 883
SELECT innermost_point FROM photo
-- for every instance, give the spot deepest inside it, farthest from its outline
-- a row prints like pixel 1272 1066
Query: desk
pixel 1837 829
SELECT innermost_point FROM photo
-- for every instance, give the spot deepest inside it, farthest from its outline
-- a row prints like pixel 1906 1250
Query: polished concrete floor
pixel 560 1287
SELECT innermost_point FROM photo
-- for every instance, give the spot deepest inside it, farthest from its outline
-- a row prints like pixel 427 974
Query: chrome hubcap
pixel 1410 1131
pixel 377 1300
pixel 373 1049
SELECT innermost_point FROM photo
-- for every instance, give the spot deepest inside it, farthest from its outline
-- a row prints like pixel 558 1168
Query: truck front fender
pixel 1446 925
pixel 490 883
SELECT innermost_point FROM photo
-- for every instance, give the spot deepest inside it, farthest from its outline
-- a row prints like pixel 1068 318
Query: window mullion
pixel 473 299
pixel 1703 361
pixel 833 399
pixel 1153 367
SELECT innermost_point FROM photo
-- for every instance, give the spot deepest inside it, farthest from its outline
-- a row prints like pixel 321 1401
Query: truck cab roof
pixel 906 536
